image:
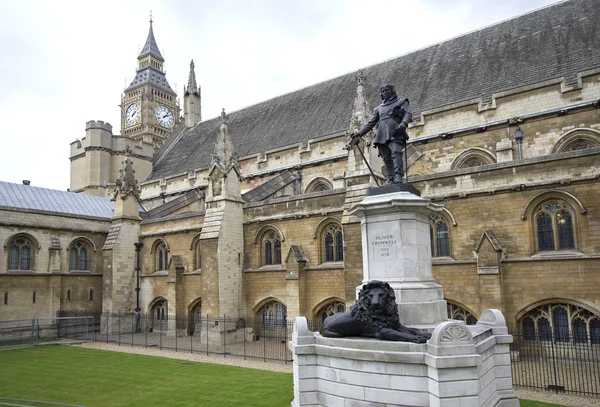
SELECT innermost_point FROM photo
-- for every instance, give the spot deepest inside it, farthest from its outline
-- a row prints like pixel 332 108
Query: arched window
pixel 562 323
pixel 161 256
pixel 318 185
pixel 473 157
pixel 271 244
pixel 20 253
pixel 554 226
pixel 333 243
pixel 195 247
pixel 78 256
pixel 330 309
pixel 439 236
pixel 159 311
pixel 457 312
pixel 577 139
pixel 273 314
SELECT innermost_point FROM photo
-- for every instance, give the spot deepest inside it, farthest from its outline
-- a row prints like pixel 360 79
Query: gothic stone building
pixel 246 215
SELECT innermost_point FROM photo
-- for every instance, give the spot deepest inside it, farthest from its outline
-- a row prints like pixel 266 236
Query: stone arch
pixel 561 321
pixel 452 307
pixel 196 255
pixel 323 223
pixel 87 240
pixel 577 139
pixel 440 234
pixel 156 300
pixel 270 316
pixel 75 261
pixel 322 305
pixel 264 301
pixel 270 251
pixel 555 300
pixel 330 235
pixel 264 228
pixel 26 252
pixel 450 216
pixel 194 311
pixel 319 184
pixel 34 241
pixel 194 240
pixel 473 157
pixel 160 252
pixel 553 221
pixel 157 242
pixel 542 196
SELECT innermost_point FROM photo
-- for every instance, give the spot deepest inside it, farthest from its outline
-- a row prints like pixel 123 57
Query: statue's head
pixel 387 92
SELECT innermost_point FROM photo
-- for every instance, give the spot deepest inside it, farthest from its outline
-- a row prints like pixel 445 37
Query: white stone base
pixel 459 366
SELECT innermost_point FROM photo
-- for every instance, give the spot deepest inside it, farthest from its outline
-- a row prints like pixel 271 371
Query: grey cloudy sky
pixel 67 62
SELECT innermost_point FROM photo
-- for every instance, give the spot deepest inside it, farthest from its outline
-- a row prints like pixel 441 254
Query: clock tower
pixel 149 107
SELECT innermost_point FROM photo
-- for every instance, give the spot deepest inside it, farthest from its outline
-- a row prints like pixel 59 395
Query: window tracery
pixel 78 256
pixel 554 226
pixel 161 256
pixel 561 322
pixel 439 236
pixel 271 248
pixel 273 314
pixel 20 253
pixel 457 312
pixel 333 243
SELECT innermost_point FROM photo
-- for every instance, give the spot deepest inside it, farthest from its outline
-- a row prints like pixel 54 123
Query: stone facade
pixel 258 237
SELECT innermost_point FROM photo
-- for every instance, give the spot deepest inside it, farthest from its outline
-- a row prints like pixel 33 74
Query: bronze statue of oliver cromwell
pixel 393 116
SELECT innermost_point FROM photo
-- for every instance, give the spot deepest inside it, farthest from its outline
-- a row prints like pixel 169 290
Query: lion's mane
pixel 388 319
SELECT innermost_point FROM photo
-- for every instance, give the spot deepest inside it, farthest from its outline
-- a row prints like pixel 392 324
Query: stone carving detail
pixel 127 183
pixel 455 334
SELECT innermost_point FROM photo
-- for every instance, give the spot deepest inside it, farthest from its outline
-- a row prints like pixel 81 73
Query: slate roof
pixel 20 196
pixel 151 47
pixel 173 205
pixel 268 188
pixel 153 77
pixel 557 41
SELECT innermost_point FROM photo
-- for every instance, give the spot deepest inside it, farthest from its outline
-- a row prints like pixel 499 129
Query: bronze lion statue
pixel 374 315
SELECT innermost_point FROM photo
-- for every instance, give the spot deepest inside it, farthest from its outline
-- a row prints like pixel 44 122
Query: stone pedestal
pixel 397 249
pixel 459 366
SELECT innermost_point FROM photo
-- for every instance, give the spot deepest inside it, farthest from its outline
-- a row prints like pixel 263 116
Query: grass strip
pixel 97 378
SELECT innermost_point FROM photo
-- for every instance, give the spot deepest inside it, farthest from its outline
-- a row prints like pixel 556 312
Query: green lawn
pixel 531 403
pixel 96 378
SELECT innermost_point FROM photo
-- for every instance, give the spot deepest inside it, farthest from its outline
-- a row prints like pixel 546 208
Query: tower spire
pixel 192 87
pixel 191 100
pixel 150 47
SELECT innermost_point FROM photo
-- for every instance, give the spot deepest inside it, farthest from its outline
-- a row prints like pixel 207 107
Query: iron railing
pixel 36 330
pixel 559 363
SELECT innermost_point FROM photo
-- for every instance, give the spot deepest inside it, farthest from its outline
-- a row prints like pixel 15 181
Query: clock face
pixel 164 116
pixel 132 115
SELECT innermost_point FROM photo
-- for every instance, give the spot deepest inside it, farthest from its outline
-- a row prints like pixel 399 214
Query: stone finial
pixel 359 77
pixel 192 86
pixel 223 155
pixel 224 117
pixel 360 110
pixel 127 183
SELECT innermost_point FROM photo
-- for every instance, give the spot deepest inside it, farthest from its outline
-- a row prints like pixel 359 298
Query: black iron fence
pixel 560 364
pixel 34 331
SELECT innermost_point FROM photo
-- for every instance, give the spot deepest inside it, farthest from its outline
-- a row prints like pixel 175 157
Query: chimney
pixel 26 182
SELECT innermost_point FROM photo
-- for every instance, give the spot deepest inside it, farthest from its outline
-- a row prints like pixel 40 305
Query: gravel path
pixel 548 397
pixel 194 357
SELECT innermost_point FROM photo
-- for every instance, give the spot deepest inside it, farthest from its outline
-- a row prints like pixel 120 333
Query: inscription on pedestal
pixel 383 245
